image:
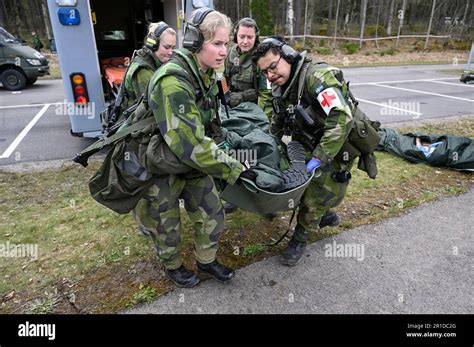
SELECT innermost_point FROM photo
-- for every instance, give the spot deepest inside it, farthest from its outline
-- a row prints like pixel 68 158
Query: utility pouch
pixel 121 181
pixel 363 138
pixel 160 159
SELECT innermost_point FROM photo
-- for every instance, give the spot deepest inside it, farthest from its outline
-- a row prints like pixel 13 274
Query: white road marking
pixel 387 106
pixel 31 105
pixel 24 132
pixel 422 92
pixel 460 84
pixel 403 81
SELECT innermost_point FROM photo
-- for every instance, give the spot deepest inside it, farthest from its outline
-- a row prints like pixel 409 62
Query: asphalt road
pixel 421 262
pixel 437 93
pixel 49 138
pixel 405 93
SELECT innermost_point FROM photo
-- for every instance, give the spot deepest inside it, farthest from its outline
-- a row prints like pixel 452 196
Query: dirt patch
pixel 405 58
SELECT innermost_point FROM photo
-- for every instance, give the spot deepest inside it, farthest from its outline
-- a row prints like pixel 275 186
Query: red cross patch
pixel 329 99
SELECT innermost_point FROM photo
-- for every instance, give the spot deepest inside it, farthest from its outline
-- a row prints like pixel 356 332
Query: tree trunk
pixel 429 25
pixel 330 6
pixel 464 17
pixel 348 15
pixel 16 19
pixel 305 28
pixel 310 16
pixel 362 21
pixel 46 19
pixel 413 11
pixel 335 24
pixel 3 15
pixel 289 20
pixel 390 17
pixel 442 6
pixel 401 16
pixel 298 17
pixel 377 25
pixel 33 13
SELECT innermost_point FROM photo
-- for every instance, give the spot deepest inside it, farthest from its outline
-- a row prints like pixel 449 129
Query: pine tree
pixel 261 14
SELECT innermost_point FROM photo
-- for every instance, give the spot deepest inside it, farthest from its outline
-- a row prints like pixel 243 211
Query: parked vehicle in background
pixel 20 65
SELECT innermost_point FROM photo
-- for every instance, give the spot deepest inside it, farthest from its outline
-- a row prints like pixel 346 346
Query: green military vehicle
pixel 20 65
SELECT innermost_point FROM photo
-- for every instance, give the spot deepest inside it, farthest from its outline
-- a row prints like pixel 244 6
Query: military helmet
pixel 152 40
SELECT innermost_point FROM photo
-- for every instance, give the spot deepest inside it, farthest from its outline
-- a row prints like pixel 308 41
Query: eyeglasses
pixel 272 68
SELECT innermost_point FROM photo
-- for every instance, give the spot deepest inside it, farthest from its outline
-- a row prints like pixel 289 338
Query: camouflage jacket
pixel 186 114
pixel 141 69
pixel 244 75
pixel 324 98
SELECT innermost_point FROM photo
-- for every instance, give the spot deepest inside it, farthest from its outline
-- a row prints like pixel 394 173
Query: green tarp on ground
pixel 454 152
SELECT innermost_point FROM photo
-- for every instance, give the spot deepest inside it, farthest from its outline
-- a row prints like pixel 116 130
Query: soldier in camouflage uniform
pixel 321 91
pixel 157 50
pixel 183 97
pixel 247 83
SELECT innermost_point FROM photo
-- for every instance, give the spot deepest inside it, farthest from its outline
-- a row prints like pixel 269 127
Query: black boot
pixel 183 277
pixel 218 271
pixel 293 253
pixel 270 215
pixel 229 208
pixel 330 219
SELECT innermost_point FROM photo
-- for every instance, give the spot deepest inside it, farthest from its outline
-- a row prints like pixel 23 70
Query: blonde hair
pixel 211 22
pixel 152 27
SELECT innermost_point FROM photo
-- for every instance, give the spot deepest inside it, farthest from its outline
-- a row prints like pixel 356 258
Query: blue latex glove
pixel 313 164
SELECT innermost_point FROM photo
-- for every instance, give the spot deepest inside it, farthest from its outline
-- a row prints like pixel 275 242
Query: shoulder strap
pixel 125 130
pixel 255 77
pixel 301 81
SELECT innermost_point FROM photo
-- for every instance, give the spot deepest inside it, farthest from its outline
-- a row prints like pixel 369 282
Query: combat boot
pixel 183 277
pixel 330 219
pixel 293 253
pixel 218 271
pixel 270 215
pixel 229 208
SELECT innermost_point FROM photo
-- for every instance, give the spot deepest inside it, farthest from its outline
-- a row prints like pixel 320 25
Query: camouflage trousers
pixel 158 216
pixel 322 194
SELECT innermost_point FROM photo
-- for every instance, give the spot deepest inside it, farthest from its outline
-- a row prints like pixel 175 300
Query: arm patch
pixel 330 98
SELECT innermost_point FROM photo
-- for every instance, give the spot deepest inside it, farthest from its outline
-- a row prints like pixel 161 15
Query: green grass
pixel 44 305
pixel 143 295
pixel 72 238
pixel 252 249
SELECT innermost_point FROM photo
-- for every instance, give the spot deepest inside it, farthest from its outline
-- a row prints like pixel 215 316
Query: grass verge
pixel 91 260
